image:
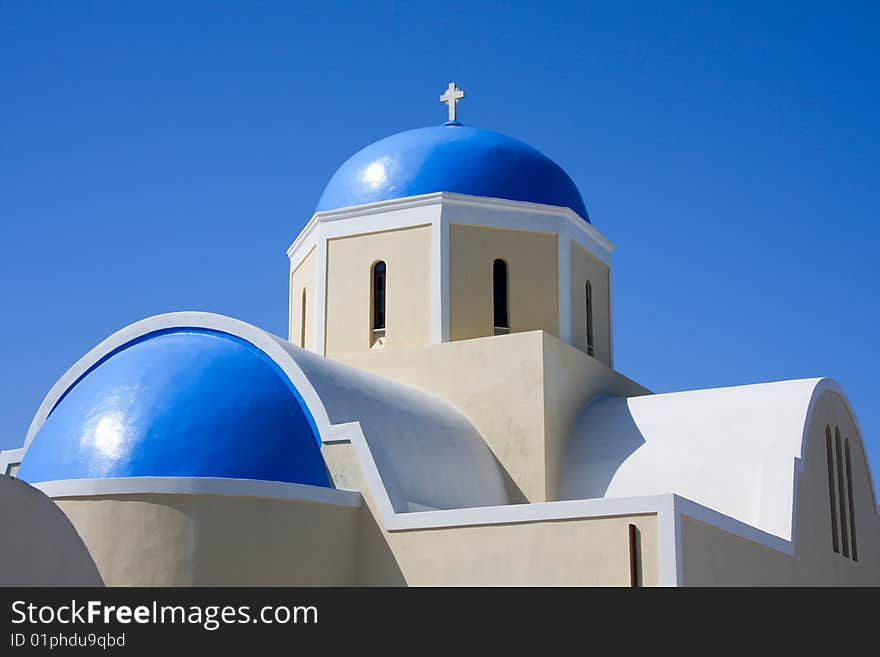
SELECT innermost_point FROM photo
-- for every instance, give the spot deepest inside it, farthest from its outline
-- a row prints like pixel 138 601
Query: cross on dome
pixel 451 96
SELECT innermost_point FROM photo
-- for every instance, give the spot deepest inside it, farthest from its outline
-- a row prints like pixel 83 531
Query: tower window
pixel 589 308
pixel 302 322
pixel 378 295
pixel 499 296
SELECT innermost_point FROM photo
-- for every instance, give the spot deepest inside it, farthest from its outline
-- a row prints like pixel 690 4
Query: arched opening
pixel 852 510
pixel 829 459
pixel 500 296
pixel 377 294
pixel 589 309
pixel 841 494
pixel 302 321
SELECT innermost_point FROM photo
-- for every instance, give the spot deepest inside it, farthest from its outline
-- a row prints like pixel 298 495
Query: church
pixel 443 411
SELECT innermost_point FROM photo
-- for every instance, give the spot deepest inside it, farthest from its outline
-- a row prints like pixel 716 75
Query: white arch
pixel 737 450
pixel 426 454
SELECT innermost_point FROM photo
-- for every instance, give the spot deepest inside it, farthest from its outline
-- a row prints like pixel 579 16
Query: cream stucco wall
pixel 532 273
pixel 302 278
pixel 587 267
pixel 715 558
pixel 571 380
pixel 407 256
pixel 567 552
pixel 211 540
pixel 521 391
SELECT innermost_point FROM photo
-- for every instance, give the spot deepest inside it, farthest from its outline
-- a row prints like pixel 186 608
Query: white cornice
pixel 569 216
pixel 278 490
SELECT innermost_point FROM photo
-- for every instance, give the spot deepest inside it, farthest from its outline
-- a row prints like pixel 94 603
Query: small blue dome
pixel 180 403
pixel 450 158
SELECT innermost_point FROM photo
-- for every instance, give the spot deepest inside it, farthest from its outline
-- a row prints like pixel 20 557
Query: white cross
pixel 451 97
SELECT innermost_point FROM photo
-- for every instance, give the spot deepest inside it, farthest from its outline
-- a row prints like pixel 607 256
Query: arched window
pixel 589 308
pixel 499 296
pixel 832 494
pixel 840 491
pixel 841 495
pixel 852 509
pixel 378 296
pixel 302 323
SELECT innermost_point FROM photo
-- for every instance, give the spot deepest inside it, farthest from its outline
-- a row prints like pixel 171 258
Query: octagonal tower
pixel 449 233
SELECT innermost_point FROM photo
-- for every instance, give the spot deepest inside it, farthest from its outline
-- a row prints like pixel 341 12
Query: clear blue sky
pixel 162 156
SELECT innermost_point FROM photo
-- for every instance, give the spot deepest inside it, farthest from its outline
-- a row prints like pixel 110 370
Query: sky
pixel 162 156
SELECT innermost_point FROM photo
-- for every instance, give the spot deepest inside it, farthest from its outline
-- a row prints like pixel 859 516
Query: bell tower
pixel 449 233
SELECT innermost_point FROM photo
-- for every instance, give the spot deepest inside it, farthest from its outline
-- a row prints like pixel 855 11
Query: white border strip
pixel 279 490
pixel 669 509
pixel 439 210
pixel 573 218
pixel 8 456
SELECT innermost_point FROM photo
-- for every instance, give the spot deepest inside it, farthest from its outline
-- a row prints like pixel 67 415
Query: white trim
pixel 9 456
pixel 525 513
pixel 688 508
pixel 610 323
pixel 307 237
pixel 720 460
pixel 279 490
pixel 298 256
pixel 356 227
pixel 668 543
pixel 445 308
pixel 667 507
pixel 440 279
pixel 564 286
pixel 320 306
pixel 267 343
pixel 378 207
pixel 439 210
pixel 516 215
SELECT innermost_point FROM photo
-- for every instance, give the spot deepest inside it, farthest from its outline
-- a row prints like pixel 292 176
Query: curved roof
pixel 183 402
pixel 450 158
pixel 426 452
pixel 734 449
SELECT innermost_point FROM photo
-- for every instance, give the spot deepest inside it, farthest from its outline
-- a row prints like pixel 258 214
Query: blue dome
pixel 450 158
pixel 180 403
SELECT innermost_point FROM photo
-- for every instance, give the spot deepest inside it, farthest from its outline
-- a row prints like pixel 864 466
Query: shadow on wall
pixel 39 545
pixel 376 563
pixel 514 492
pixel 593 456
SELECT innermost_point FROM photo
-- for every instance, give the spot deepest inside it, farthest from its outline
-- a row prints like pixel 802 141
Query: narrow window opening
pixel 852 510
pixel 500 296
pixel 589 307
pixel 829 453
pixel 377 311
pixel 635 578
pixel 302 322
pixel 841 494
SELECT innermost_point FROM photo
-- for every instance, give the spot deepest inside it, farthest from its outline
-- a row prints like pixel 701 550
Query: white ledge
pixel 573 219
pixel 278 490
